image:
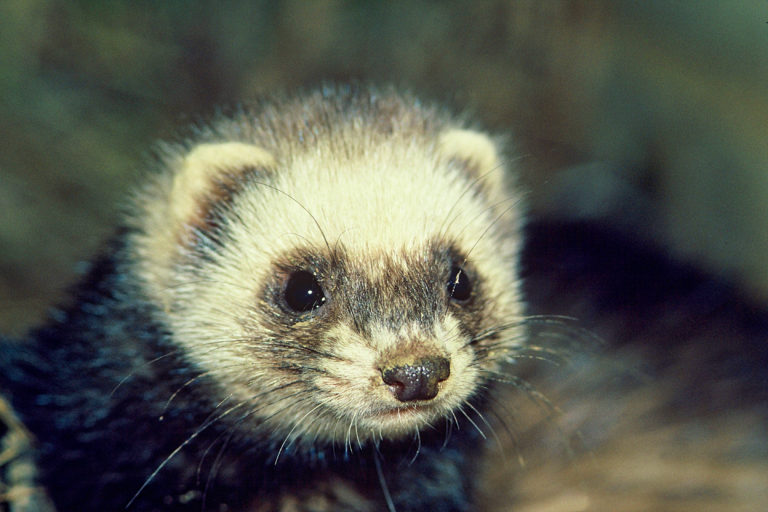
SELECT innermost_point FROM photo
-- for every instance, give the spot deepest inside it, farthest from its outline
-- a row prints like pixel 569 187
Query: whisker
pixel 189 439
pixel 279 451
pixel 418 447
pixel 472 185
pixel 144 365
pixel 493 222
pixel 383 482
pixel 479 430
pixel 216 465
pixel 449 422
pixel 314 219
pixel 510 430
pixel 492 430
pixel 357 434
pixel 176 393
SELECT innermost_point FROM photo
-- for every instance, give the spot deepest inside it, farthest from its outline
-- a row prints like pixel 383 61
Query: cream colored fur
pixel 201 166
pixel 369 195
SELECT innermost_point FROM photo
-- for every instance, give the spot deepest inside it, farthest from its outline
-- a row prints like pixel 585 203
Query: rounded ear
pixel 208 173
pixel 183 205
pixel 476 152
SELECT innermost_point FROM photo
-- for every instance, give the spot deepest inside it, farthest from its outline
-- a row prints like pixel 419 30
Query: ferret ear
pixel 184 204
pixel 476 152
pixel 209 173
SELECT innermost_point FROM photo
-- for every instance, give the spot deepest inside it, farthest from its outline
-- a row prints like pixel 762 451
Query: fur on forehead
pixel 385 199
pixel 369 170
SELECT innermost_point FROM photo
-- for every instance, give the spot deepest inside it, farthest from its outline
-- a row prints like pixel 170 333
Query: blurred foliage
pixel 670 98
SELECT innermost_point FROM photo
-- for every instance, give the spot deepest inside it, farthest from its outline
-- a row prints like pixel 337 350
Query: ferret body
pixel 304 310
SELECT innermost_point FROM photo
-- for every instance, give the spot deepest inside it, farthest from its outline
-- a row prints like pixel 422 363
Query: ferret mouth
pixel 396 422
pixel 399 411
pixel 406 412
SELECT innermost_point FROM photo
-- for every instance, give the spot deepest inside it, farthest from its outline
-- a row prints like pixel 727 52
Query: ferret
pixel 306 308
pixel 335 301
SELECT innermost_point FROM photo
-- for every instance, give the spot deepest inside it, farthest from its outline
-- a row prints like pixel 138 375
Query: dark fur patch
pixel 413 289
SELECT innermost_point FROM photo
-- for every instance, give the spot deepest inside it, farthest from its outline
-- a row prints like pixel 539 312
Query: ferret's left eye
pixel 302 292
pixel 459 285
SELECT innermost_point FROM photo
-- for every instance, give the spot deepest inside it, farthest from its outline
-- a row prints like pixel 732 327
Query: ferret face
pixel 341 287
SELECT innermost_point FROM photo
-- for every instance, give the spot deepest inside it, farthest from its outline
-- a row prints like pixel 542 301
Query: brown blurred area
pixel 653 115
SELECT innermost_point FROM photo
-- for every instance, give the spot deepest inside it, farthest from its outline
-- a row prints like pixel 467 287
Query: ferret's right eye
pixel 302 292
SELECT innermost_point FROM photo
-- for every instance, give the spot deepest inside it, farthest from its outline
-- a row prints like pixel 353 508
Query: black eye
pixel 459 285
pixel 302 292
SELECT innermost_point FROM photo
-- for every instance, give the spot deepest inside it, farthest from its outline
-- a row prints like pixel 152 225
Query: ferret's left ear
pixel 476 152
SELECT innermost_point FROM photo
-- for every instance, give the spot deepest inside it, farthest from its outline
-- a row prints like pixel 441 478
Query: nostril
pixel 417 381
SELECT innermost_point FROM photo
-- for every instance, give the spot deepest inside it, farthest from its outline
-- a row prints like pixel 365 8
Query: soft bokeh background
pixel 651 115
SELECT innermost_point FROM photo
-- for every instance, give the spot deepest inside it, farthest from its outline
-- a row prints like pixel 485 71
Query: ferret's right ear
pixel 208 174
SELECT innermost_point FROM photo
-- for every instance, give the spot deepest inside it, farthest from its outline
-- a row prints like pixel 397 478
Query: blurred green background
pixel 652 115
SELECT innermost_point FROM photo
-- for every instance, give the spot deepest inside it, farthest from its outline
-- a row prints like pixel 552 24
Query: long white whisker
pixel 479 430
pixel 189 439
pixel 277 457
pixel 383 482
pixel 490 427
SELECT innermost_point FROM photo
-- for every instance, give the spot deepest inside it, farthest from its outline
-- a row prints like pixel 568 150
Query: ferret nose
pixel 417 381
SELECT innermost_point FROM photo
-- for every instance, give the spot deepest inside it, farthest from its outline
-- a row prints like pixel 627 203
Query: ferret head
pixel 341 264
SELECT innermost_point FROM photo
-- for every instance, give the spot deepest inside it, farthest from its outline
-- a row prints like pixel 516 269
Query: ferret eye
pixel 302 292
pixel 459 285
